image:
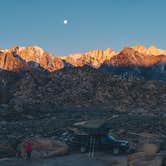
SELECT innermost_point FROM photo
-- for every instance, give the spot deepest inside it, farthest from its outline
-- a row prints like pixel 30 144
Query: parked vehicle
pixel 93 136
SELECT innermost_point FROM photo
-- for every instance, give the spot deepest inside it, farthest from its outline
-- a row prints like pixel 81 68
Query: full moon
pixel 65 22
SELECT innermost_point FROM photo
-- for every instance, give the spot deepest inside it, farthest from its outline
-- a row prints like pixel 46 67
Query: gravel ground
pixel 70 160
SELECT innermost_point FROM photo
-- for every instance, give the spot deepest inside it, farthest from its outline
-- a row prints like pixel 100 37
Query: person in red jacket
pixel 28 147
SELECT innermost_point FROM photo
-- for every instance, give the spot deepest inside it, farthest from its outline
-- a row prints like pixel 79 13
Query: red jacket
pixel 28 146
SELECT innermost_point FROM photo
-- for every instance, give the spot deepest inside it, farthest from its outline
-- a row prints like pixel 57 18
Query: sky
pixel 92 24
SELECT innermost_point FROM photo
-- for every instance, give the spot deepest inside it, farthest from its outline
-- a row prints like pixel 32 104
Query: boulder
pixel 157 161
pixel 138 156
pixel 6 151
pixel 149 148
pixel 44 148
pixel 145 159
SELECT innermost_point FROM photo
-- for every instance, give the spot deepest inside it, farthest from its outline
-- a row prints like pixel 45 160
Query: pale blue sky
pixel 93 24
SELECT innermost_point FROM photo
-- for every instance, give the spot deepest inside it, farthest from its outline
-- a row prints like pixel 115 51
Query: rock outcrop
pixel 130 57
pixel 152 50
pixel 24 58
pixel 94 58
pixel 10 62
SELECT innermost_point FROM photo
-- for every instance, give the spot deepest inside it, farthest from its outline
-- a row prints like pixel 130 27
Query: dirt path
pixel 70 160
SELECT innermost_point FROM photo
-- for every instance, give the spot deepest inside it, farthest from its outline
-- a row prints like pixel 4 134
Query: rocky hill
pixel 82 87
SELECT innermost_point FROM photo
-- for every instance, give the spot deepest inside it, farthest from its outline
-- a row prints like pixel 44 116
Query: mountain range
pixel 136 60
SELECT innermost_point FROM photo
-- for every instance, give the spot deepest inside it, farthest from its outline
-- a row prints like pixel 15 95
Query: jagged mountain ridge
pixel 136 57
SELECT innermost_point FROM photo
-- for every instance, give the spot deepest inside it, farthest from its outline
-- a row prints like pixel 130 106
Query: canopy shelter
pixel 92 127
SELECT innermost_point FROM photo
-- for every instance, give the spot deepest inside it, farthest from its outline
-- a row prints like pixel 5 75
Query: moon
pixel 65 22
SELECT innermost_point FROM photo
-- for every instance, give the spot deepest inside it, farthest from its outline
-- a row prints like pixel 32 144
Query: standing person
pixel 28 147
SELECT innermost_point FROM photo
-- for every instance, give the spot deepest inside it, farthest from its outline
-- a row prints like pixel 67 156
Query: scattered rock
pixel 149 148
